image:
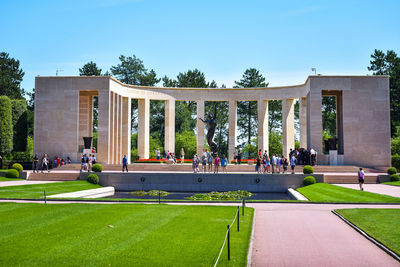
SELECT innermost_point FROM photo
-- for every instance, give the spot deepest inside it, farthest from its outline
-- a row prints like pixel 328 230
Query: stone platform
pixel 199 182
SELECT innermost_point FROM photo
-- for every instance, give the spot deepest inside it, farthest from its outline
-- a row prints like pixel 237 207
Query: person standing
pixel 194 162
pixel 158 154
pixel 239 156
pixel 273 163
pixel 204 163
pixel 45 163
pixel 182 155
pixel 235 155
pixel 258 164
pixel 293 163
pixel 361 179
pixel 35 162
pixel 210 161
pixel 124 164
pixel 285 164
pixel 216 163
pixel 224 164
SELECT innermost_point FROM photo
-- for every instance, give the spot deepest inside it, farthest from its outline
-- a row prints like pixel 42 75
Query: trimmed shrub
pixel 17 167
pixel 394 177
pixel 396 162
pixel 93 178
pixel 20 124
pixel 309 180
pixel 12 173
pixel 97 167
pixel 6 127
pixel 308 169
pixel 391 170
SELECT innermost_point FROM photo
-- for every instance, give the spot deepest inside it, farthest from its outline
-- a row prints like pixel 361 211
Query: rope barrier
pixel 226 236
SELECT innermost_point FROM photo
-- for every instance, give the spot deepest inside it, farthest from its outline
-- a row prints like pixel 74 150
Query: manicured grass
pixel 36 190
pixel 331 193
pixel 141 235
pixel 393 183
pixel 381 224
pixel 10 179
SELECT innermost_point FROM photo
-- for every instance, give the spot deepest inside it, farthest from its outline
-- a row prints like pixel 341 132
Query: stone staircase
pixel 53 176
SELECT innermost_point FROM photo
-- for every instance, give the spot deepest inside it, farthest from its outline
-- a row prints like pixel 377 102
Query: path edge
pixel 250 251
pixel 367 236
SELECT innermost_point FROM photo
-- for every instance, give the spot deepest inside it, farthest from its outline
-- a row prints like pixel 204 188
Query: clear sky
pixel 283 39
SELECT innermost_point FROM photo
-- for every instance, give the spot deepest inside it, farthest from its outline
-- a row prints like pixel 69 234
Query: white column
pixel 143 128
pixel 120 129
pixel 103 129
pixel 303 122
pixel 287 125
pixel 169 136
pixel 116 129
pixel 112 111
pixel 200 127
pixel 126 127
pixel 232 115
pixel 263 133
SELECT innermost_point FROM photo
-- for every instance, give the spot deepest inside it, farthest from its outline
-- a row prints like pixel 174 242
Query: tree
pixel 131 70
pixel 329 115
pixel 247 110
pixel 187 140
pixel 90 69
pixel 6 126
pixel 11 76
pixel 389 64
pixel 19 120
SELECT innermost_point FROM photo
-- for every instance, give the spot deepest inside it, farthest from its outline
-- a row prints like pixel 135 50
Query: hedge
pixel 17 166
pixel 20 124
pixel 93 178
pixel 394 178
pixel 309 180
pixel 6 127
pixel 396 162
pixel 308 169
pixel 391 170
pixel 97 167
pixel 12 173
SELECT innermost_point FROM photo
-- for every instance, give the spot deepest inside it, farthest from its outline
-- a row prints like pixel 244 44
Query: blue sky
pixel 283 39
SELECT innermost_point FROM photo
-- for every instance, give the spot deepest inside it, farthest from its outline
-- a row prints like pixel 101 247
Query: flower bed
pixel 245 161
pixel 160 161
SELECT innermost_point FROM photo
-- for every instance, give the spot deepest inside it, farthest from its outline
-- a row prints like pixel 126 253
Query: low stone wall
pixel 22 175
pixel 193 182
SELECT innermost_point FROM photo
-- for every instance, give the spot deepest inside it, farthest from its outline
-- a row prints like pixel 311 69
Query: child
pixel 224 163
pixel 216 164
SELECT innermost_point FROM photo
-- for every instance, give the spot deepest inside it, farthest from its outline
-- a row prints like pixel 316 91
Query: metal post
pixel 243 204
pixel 159 197
pixel 45 200
pixel 229 246
pixel 238 217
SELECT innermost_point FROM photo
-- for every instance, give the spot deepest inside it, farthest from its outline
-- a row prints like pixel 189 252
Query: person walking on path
pixel 45 163
pixel 292 162
pixel 35 162
pixel 361 175
pixel 124 164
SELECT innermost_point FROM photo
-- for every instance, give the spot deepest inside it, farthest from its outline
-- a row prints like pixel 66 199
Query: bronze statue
pixel 212 123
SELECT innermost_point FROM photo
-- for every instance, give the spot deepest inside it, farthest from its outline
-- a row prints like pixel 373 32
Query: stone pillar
pixel 200 126
pixel 287 125
pixel 303 121
pixel 126 127
pixel 232 115
pixel 116 129
pixel 120 129
pixel 314 121
pixel 169 137
pixel 112 111
pixel 263 133
pixel 85 116
pixel 103 129
pixel 143 128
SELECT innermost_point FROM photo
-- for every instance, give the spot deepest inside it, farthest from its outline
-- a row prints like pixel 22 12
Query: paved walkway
pixel 310 235
pixel 24 182
pixel 384 189
pixel 288 234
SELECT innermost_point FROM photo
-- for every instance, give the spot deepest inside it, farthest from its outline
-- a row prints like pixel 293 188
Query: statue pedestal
pixel 333 157
pixel 87 151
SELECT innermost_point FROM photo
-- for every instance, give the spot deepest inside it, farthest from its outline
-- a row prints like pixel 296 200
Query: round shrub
pixel 12 173
pixel 394 177
pixel 97 167
pixel 391 170
pixel 309 180
pixel 93 178
pixel 17 166
pixel 308 169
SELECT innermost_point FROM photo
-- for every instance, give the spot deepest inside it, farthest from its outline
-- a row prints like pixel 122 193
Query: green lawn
pixel 142 235
pixel 381 224
pixel 36 190
pixel 393 183
pixel 331 193
pixel 10 179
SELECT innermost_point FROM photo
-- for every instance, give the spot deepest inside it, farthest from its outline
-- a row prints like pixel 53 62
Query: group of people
pixel 46 164
pixel 170 156
pixel 87 162
pixel 209 162
pixel 275 163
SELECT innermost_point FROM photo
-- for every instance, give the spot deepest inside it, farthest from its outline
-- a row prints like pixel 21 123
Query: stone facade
pixel 63 115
